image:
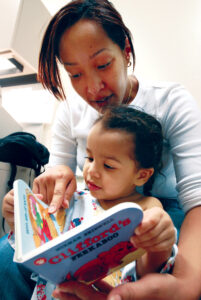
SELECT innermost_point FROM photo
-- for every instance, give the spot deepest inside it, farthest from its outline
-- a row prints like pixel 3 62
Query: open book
pixel 87 252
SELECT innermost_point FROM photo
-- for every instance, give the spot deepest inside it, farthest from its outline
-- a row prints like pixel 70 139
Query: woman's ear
pixel 127 50
pixel 143 176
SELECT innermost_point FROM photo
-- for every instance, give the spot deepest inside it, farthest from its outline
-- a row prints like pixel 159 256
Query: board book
pixel 87 252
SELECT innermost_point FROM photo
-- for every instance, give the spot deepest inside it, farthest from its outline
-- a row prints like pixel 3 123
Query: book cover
pixel 87 253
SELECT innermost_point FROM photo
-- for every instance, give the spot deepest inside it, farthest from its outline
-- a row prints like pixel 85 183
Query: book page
pixel 36 226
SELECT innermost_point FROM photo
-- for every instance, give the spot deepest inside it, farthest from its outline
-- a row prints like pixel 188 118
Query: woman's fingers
pixel 63 190
pixel 103 286
pixel 57 186
pixel 72 186
pixel 73 290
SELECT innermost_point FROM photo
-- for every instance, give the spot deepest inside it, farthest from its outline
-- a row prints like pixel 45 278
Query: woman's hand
pixel 57 185
pixel 8 209
pixel 152 287
pixel 156 232
pixel 74 290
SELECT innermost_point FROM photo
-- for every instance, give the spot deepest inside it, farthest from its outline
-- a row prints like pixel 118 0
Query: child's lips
pixel 92 186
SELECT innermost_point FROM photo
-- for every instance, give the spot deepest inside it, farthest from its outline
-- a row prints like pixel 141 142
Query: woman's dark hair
pixel 99 11
pixel 147 136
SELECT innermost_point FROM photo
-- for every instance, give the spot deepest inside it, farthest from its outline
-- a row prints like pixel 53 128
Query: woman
pixel 91 41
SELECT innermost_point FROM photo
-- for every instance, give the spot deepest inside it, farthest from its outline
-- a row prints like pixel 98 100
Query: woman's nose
pixel 94 86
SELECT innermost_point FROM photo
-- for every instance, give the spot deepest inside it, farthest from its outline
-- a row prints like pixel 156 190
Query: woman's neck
pixel 135 86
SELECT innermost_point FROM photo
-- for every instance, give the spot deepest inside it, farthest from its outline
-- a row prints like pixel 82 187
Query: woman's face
pixel 96 65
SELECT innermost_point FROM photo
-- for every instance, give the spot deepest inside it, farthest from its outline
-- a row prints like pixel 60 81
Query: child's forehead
pixel 101 128
pixel 102 140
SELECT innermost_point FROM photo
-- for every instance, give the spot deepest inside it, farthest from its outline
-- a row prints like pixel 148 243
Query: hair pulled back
pixel 100 11
pixel 147 136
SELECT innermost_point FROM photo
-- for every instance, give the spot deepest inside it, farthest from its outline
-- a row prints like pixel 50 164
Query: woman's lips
pixel 104 101
pixel 92 186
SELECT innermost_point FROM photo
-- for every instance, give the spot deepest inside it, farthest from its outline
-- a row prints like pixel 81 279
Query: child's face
pixel 110 172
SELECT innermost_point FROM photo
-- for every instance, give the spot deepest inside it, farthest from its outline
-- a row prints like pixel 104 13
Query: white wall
pixel 8 24
pixel 167 39
pixel 33 108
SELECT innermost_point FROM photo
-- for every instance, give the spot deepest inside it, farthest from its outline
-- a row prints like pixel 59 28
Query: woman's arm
pixel 188 263
pixel 57 184
pixel 182 127
pixel 63 143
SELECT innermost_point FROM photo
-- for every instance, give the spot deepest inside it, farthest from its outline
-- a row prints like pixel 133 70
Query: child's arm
pixel 8 209
pixel 156 234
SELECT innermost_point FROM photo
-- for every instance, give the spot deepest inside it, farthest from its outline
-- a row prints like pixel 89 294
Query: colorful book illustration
pixel 87 252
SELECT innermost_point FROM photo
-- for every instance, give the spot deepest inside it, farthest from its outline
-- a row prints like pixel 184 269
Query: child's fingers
pixel 156 231
pixel 163 240
pixel 162 246
pixel 152 217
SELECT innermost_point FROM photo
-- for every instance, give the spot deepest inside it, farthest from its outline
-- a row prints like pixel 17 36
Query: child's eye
pixel 108 167
pixel 89 158
pixel 101 67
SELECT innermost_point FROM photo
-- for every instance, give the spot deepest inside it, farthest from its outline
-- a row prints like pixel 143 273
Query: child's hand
pixel 156 232
pixel 8 209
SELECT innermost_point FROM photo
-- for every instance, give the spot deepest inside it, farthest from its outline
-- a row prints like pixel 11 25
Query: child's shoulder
pixel 149 202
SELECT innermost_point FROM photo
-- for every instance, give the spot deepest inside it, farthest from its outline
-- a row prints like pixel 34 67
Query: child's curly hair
pixel 147 136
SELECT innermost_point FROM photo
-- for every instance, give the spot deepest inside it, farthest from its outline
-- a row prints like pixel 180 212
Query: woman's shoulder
pixel 159 91
pixel 159 85
pixel 164 99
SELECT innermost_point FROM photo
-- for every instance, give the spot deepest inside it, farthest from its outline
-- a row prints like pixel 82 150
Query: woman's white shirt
pixel 180 118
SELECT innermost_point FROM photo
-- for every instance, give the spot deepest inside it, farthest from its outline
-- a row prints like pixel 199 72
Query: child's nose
pixel 93 170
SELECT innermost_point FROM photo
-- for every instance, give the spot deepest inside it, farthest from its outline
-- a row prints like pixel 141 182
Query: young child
pixel 123 152
pixel 124 149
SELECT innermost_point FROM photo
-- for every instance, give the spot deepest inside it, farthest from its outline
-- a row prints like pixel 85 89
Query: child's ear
pixel 143 176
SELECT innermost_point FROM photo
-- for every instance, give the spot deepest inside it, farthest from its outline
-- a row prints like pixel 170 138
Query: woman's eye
pixel 76 75
pixel 101 67
pixel 108 167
